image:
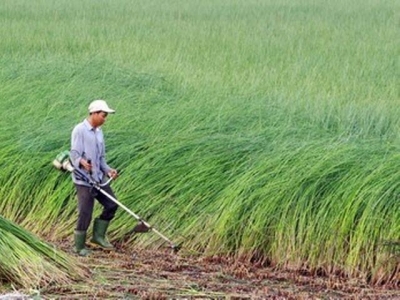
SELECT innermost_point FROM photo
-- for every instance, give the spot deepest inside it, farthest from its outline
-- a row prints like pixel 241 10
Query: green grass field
pixel 262 129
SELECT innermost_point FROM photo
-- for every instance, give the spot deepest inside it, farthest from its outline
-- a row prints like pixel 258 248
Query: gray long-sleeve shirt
pixel 87 142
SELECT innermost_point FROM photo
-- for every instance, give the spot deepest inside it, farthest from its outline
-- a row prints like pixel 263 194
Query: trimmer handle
pixel 90 162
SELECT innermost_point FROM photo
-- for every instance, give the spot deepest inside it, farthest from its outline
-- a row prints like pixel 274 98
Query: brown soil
pixel 161 274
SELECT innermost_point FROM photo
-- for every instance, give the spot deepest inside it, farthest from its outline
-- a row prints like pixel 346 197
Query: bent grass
pixel 250 128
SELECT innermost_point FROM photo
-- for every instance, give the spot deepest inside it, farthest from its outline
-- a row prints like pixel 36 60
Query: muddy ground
pixel 161 274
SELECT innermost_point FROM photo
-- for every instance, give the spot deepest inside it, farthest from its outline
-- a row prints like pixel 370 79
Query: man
pixel 88 155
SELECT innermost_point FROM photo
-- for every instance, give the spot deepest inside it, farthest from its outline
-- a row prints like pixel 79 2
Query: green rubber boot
pixel 80 239
pixel 99 234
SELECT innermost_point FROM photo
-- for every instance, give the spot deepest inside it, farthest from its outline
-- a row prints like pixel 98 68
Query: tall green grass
pixel 263 129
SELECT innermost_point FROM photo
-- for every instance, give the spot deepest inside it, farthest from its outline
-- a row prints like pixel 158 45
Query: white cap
pixel 100 105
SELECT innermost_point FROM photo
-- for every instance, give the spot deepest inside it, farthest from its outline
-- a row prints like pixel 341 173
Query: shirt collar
pixel 89 126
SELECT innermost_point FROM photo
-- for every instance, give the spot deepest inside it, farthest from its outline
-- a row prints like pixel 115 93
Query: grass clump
pixel 28 262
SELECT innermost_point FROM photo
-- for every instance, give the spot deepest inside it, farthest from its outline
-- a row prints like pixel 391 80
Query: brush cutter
pixel 62 163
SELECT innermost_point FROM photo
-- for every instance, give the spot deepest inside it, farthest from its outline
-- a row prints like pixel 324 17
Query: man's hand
pixel 113 174
pixel 86 165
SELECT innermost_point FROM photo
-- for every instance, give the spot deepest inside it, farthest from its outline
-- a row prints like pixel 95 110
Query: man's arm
pixel 77 147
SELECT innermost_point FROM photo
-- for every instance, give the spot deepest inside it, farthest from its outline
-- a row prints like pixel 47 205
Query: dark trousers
pixel 86 196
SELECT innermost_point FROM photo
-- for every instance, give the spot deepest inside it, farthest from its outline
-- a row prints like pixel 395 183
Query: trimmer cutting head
pixel 141 228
